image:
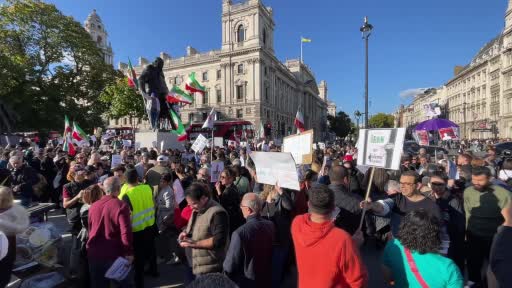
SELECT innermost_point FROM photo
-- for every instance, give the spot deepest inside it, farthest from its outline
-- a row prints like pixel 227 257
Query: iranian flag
pixel 176 94
pixel 132 76
pixel 180 130
pixel 78 134
pixel 299 121
pixel 68 143
pixel 193 86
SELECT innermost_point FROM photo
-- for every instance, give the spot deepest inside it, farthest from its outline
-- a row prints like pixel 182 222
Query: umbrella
pixel 435 124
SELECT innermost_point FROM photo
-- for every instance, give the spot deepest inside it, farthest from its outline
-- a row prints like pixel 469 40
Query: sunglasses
pixel 437 184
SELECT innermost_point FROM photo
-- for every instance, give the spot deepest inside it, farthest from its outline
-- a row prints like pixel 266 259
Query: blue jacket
pixel 249 258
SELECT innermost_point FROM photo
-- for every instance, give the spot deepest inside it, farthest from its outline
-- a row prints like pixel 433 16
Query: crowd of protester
pixel 438 218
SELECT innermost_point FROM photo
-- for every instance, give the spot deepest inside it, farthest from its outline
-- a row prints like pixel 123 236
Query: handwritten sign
pixel 299 145
pixel 199 144
pixel 380 148
pixel 116 160
pixel 217 167
pixel 276 168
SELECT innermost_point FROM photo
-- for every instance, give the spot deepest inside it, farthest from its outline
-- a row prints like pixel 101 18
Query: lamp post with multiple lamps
pixel 366 30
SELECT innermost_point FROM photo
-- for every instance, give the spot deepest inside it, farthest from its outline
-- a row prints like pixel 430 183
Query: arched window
pixel 240 33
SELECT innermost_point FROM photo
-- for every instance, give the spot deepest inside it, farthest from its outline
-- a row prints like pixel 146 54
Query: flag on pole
pixel 132 76
pixel 210 120
pixel 193 86
pixel 68 143
pixel 176 94
pixel 299 121
pixel 180 130
pixel 262 130
pixel 305 40
pixel 78 134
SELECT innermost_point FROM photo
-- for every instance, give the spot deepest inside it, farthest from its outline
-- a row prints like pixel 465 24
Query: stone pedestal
pixel 154 139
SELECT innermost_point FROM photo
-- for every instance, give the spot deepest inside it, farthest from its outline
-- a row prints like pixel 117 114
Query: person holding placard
pixel 229 197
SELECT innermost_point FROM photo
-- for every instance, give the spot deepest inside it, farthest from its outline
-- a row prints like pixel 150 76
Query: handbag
pixel 414 268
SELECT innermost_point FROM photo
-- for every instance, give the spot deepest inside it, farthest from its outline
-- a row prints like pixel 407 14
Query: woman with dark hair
pixel 413 260
pixel 229 197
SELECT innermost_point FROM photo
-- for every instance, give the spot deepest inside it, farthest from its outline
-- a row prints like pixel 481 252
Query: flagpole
pixel 211 151
pixel 301 50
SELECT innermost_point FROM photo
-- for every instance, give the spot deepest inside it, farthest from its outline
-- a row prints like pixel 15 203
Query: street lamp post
pixel 464 115
pixel 366 30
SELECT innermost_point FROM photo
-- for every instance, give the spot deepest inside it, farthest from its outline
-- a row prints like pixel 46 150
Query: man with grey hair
pixel 110 235
pixel 23 177
pixel 249 258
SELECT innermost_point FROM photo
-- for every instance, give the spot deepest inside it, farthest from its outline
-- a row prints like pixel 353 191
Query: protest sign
pixel 276 168
pixel 217 167
pixel 243 144
pixel 218 142
pixel 448 134
pixel 127 143
pixel 422 137
pixel 380 148
pixel 199 144
pixel 137 145
pixel 299 145
pixel 116 160
pixel 161 146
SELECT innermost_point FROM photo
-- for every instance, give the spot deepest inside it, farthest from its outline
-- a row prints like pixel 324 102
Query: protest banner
pixel 217 167
pixel 218 142
pixel 276 168
pixel 199 144
pixel 299 145
pixel 422 137
pixel 116 160
pixel 448 134
pixel 127 143
pixel 380 148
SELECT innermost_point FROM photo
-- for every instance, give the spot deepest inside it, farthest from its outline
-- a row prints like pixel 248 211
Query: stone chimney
pixel 143 61
pixel 191 51
pixel 165 56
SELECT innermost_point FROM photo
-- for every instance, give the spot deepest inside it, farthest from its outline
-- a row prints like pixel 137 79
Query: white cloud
pixel 411 93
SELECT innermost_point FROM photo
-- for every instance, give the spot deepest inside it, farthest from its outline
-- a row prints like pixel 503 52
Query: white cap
pixel 162 158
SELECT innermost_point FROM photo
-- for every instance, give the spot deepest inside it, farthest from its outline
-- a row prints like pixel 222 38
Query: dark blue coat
pixel 249 258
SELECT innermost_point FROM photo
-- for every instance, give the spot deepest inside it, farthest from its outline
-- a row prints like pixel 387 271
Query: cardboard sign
pixel 218 142
pixel 380 148
pixel 299 145
pixel 276 168
pixel 422 137
pixel 116 161
pixel 199 144
pixel 217 167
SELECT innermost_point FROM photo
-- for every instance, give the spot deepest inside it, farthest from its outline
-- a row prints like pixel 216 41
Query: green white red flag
pixel 193 86
pixel 132 76
pixel 68 143
pixel 177 95
pixel 180 130
pixel 78 134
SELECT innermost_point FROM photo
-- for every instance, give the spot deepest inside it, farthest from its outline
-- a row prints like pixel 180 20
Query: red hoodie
pixel 326 255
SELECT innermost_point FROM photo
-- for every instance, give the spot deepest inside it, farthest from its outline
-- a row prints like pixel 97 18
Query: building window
pixel 240 92
pixel 190 117
pixel 219 74
pixel 264 36
pixel 267 92
pixel 219 95
pixel 218 115
pixel 177 80
pixel 268 114
pixel 240 33
pixel 205 97
pixel 125 121
pixel 116 121
pixel 139 120
pixel 205 115
pixel 99 40
pixel 240 113
pixel 240 68
pixel 266 70
pixel 205 76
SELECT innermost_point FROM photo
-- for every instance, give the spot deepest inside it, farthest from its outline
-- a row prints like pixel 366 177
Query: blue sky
pixel 415 44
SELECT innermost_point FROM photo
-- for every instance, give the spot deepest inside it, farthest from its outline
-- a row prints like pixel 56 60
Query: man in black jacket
pixel 23 177
pixel 249 258
pixel 348 203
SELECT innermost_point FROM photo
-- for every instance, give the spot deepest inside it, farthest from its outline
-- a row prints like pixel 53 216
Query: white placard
pixel 276 168
pixel 161 146
pixel 217 167
pixel 380 148
pixel 299 145
pixel 137 145
pixel 127 143
pixel 116 160
pixel 218 142
pixel 199 144
pixel 243 144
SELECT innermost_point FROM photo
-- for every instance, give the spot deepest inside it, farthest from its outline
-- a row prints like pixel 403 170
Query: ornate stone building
pixel 95 27
pixel 416 112
pixel 244 79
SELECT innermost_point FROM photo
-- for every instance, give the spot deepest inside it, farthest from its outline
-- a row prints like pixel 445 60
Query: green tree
pixel 382 120
pixel 341 125
pixel 49 67
pixel 123 101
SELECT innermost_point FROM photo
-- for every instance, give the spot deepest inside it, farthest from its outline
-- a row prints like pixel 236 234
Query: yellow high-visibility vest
pixel 143 213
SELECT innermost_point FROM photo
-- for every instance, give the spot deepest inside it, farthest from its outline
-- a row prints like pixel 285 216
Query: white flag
pixel 209 121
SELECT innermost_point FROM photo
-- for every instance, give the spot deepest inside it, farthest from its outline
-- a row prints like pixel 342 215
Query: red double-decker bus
pixel 225 129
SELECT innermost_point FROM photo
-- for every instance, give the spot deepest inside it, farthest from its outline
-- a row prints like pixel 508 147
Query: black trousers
pixel 478 249
pixel 144 251
pixel 7 263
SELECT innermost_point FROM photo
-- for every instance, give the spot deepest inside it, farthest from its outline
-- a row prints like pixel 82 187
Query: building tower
pixel 95 27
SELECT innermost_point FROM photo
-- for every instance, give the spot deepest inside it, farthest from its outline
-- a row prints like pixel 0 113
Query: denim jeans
pixel 154 118
pixel 97 270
